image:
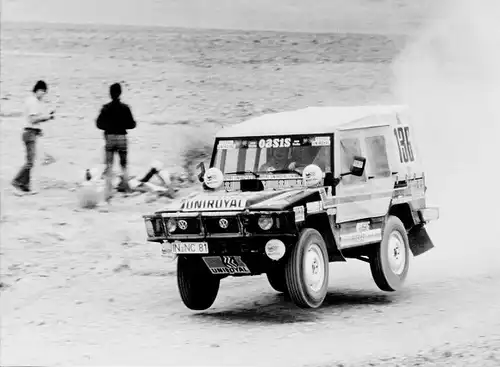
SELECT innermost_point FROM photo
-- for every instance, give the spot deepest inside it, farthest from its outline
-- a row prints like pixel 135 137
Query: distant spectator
pixel 36 113
pixel 115 119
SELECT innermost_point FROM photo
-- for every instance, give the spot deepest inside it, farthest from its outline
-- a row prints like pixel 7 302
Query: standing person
pixel 36 113
pixel 115 119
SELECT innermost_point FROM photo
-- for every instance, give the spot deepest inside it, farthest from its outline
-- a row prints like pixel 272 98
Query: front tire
pixel 198 287
pixel 390 262
pixel 307 270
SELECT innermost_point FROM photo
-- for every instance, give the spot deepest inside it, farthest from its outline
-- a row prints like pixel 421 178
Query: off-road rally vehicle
pixel 287 193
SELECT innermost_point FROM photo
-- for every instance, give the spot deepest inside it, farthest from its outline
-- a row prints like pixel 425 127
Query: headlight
pixel 149 228
pixel 265 223
pixel 171 225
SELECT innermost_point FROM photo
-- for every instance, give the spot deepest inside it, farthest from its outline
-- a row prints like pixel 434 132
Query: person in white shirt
pixel 36 113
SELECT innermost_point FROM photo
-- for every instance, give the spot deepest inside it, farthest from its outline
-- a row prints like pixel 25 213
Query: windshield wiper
pixel 243 172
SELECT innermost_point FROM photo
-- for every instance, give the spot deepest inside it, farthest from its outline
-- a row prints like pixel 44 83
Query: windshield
pixel 276 154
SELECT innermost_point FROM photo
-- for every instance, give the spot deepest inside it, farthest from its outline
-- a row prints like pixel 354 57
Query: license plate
pixel 190 248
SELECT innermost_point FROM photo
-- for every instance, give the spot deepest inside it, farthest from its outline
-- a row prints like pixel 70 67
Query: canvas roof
pixel 315 120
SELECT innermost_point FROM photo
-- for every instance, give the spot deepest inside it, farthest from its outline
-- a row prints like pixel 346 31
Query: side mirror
pixel 201 166
pixel 358 166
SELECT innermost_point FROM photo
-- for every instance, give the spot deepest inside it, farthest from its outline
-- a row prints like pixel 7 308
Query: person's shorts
pixel 116 144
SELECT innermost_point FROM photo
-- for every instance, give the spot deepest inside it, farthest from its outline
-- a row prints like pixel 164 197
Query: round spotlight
pixel 275 249
pixel 166 251
pixel 312 175
pixel 213 178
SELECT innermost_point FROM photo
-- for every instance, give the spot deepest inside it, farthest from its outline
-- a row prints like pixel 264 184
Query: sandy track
pixel 127 319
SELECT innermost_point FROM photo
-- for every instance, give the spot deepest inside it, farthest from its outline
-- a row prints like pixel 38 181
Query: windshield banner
pixel 275 142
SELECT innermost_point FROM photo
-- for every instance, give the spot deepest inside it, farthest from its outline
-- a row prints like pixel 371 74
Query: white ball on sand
pixel 90 194
pixel 91 191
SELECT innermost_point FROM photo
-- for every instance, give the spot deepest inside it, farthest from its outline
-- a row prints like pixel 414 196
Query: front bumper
pixel 223 226
pixel 233 247
pixel 247 258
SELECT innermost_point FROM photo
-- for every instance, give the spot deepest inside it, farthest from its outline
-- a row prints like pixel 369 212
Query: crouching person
pixel 162 187
pixel 115 118
pixel 91 192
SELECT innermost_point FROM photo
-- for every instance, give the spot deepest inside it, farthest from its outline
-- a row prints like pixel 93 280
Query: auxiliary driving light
pixel 275 249
pixel 171 225
pixel 265 223
pixel 150 229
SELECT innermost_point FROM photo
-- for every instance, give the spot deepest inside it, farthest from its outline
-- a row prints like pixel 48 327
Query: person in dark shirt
pixel 115 118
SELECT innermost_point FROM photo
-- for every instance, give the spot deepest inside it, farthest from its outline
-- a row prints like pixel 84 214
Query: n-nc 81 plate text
pixel 190 248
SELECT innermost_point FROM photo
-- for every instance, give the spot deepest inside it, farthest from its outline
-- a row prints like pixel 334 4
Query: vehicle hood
pixel 238 201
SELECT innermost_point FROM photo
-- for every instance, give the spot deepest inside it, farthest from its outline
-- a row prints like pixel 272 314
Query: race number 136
pixel 402 134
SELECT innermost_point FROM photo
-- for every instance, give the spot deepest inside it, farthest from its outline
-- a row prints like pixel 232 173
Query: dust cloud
pixel 449 75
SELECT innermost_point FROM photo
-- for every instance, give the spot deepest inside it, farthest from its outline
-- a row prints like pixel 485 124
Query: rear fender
pixel 419 240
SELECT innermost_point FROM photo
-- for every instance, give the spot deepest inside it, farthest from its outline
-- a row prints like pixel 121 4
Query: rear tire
pixel 198 287
pixel 307 270
pixel 390 262
pixel 277 279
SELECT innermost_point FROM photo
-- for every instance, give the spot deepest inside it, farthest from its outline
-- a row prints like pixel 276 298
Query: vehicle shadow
pixel 279 308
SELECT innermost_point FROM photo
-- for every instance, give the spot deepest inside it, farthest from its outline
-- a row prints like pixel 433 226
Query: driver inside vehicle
pixel 279 158
pixel 304 156
pixel 296 158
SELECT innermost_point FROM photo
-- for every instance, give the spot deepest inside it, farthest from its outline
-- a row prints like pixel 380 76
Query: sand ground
pixel 83 287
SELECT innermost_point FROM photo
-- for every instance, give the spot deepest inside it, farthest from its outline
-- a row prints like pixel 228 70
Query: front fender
pixel 323 223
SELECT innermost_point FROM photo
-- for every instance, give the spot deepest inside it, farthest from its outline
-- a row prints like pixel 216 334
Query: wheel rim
pixel 314 268
pixel 396 253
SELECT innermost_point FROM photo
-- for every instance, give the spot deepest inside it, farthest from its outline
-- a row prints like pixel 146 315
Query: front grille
pixel 186 226
pixel 227 224
pixel 221 225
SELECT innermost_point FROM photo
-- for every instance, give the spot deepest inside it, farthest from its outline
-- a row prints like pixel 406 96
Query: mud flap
pixel 226 265
pixel 419 239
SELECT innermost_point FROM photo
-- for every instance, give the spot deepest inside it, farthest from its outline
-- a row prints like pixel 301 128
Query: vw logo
pixel 182 224
pixel 223 223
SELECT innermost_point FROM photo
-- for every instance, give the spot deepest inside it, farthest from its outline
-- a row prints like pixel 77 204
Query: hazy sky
pixel 300 15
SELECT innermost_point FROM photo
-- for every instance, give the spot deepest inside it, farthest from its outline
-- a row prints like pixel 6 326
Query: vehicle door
pixel 367 196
